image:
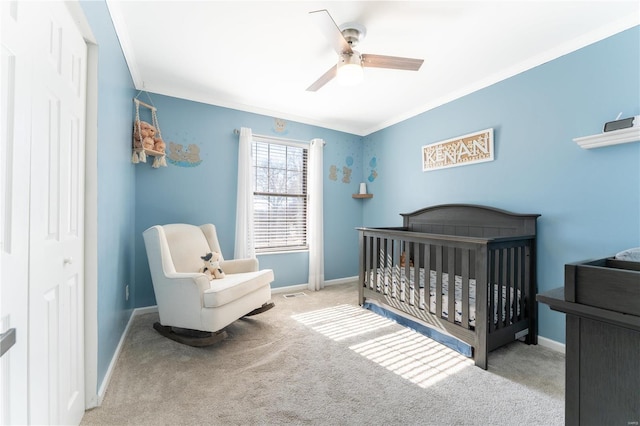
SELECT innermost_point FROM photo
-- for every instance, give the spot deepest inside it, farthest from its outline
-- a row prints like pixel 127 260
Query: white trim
pixel 117 18
pixel 146 310
pixel 112 365
pixel 91 233
pixel 344 280
pixel 299 287
pixel 114 360
pixel 289 289
pixel 552 344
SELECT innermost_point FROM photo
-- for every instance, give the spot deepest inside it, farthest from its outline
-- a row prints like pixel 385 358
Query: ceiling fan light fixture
pixel 350 70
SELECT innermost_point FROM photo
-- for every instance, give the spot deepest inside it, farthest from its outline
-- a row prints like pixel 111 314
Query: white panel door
pixel 42 128
pixel 56 257
pixel 15 127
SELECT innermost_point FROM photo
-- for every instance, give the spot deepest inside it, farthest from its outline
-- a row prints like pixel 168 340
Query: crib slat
pixel 522 283
pixel 508 307
pixel 427 277
pixel 362 269
pixel 503 287
pixel 375 263
pixel 395 268
pixel 451 294
pixel 490 286
pixel 501 279
pixel 438 292
pixel 465 288
pixel 407 268
pixel 388 270
pixel 415 291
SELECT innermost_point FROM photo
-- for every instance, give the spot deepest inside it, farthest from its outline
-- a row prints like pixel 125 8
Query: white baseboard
pixel 301 287
pixel 552 344
pixel 107 377
pixel 145 310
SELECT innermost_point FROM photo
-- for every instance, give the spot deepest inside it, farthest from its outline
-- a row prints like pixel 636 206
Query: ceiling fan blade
pixel 326 77
pixel 393 62
pixel 328 26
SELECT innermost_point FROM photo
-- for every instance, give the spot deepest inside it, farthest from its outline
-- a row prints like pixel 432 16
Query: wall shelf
pixel 150 152
pixel 140 156
pixel 362 195
pixel 631 134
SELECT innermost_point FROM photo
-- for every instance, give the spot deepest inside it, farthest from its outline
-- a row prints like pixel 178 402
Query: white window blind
pixel 280 197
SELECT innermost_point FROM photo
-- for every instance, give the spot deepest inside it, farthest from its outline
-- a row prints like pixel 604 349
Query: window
pixel 280 197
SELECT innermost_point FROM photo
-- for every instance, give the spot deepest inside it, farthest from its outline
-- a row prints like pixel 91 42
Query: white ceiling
pixel 261 56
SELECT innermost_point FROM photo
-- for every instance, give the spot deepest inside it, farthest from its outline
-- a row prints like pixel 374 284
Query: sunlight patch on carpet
pixel 406 353
pixel 413 356
pixel 343 321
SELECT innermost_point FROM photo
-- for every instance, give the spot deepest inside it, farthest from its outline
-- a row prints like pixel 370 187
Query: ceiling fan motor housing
pixel 354 58
pixel 353 32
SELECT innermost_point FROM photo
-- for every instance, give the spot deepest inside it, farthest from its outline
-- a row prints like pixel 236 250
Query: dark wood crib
pixel 490 254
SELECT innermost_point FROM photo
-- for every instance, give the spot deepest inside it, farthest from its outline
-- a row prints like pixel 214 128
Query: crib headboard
pixel 470 221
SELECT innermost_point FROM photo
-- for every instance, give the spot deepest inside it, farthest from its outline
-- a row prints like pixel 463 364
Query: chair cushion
pixel 234 286
pixel 187 244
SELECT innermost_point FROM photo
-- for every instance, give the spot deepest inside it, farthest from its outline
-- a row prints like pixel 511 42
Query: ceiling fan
pixel 348 70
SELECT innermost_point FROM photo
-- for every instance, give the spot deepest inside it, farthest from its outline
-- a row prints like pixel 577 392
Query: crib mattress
pixel 393 279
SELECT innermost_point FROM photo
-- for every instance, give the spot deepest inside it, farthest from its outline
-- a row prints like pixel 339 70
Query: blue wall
pixel 589 199
pixel 116 192
pixel 206 193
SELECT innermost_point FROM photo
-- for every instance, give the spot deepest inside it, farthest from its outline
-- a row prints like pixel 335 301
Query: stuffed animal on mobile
pixel 211 266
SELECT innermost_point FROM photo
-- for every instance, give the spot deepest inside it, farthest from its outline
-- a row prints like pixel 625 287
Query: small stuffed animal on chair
pixel 211 266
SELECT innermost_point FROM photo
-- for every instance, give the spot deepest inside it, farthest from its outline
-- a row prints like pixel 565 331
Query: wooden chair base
pixel 190 337
pixel 261 309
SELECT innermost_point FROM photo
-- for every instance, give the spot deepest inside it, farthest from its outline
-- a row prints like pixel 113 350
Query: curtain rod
pixel 276 138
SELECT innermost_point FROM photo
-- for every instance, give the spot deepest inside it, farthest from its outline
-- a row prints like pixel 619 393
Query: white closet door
pixel 43 137
pixel 15 128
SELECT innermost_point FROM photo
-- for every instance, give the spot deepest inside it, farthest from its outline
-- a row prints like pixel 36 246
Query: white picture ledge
pixel 632 134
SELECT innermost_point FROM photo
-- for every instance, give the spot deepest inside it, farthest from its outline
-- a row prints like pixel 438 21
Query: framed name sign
pixel 460 151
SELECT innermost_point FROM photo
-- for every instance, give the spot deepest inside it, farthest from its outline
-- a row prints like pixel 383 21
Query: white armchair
pixel 192 309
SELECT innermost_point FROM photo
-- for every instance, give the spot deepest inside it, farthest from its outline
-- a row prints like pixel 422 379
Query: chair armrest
pixel 236 266
pixel 180 298
pixel 185 284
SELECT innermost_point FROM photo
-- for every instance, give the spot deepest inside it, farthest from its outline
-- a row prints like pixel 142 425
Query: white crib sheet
pixel 387 281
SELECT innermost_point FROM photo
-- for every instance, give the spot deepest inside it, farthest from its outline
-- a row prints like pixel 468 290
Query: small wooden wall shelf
pixel 150 152
pixel 362 195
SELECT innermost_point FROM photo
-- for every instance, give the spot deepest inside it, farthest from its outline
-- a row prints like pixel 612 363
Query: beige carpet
pixel 321 359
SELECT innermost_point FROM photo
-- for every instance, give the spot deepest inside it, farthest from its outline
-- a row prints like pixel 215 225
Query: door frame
pixel 91 210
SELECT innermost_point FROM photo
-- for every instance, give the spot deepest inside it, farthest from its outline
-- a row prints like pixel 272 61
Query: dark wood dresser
pixel 601 300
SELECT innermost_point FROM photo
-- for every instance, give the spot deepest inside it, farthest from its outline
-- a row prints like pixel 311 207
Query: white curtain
pixel 244 247
pixel 316 229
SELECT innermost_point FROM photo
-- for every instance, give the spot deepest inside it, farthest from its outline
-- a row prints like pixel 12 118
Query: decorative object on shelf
pixel 147 138
pixel 363 192
pixel 460 151
pixel 625 123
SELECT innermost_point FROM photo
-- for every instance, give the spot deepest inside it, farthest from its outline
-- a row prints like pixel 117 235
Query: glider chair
pixel 194 309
